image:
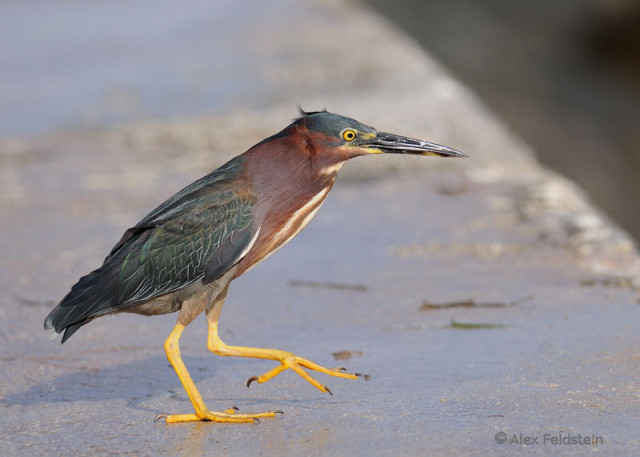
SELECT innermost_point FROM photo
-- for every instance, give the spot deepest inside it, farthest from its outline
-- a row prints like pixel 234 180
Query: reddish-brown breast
pixel 291 176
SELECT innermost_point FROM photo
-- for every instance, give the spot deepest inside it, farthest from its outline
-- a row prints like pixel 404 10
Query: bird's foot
pixel 297 364
pixel 230 416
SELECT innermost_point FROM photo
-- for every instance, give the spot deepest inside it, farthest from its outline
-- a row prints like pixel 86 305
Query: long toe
pixel 297 364
pixel 228 416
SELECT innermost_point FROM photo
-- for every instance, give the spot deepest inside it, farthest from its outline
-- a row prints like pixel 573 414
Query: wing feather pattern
pixel 198 234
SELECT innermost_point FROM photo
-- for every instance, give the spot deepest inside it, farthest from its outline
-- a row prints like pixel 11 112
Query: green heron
pixel 183 254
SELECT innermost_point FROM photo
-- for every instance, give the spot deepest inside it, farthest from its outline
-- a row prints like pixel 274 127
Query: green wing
pixel 196 235
pixel 200 245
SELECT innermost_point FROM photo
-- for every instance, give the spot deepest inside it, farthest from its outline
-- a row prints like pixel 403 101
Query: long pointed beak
pixel 396 144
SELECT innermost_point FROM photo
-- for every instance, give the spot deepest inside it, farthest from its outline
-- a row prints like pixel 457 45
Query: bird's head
pixel 342 138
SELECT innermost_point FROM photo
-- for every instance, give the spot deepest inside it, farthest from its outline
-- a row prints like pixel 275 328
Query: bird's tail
pixel 90 297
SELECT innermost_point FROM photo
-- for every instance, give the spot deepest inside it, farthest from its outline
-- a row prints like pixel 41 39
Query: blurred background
pixel 564 75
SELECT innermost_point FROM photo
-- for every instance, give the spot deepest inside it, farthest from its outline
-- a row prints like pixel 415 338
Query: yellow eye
pixel 349 135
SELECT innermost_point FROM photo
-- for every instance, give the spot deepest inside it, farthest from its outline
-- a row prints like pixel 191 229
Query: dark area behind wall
pixel 564 75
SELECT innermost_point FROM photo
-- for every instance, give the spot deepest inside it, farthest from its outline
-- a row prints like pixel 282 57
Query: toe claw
pixel 328 390
pixel 277 411
pixel 251 379
pixel 160 416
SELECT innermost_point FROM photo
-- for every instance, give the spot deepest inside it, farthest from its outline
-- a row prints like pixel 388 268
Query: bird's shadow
pixel 134 382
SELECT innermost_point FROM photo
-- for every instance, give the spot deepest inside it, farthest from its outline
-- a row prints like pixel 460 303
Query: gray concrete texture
pixel 483 295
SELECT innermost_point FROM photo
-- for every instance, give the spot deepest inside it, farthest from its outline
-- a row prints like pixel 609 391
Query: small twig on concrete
pixel 473 326
pixel 471 303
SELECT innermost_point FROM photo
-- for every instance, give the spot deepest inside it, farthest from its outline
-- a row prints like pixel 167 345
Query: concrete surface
pixel 556 281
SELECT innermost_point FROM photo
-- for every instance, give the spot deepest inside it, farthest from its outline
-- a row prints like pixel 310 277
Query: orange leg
pixel 287 359
pixel 172 349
